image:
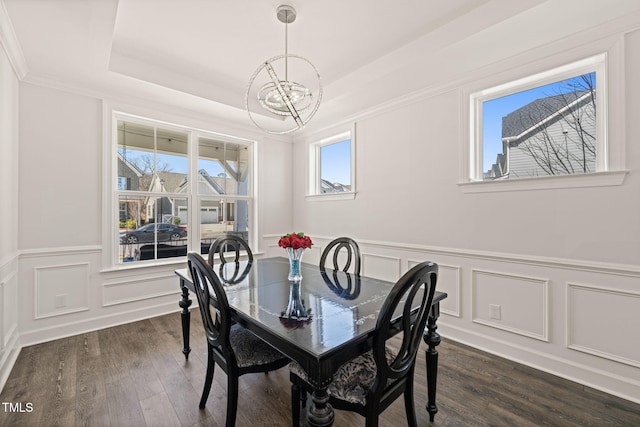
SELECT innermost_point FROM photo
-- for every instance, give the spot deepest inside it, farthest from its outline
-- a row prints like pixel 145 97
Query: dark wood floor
pixel 136 375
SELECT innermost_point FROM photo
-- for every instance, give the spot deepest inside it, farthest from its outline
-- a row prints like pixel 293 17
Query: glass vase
pixel 295 307
pixel 295 258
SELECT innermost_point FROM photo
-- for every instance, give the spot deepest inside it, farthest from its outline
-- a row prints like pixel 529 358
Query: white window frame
pixel 313 156
pixel 111 192
pixel 608 171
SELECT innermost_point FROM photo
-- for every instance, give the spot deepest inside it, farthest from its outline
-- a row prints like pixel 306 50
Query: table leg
pixel 432 339
pixel 320 413
pixel 185 303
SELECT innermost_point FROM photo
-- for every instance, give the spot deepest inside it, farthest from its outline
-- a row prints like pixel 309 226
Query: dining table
pixel 321 321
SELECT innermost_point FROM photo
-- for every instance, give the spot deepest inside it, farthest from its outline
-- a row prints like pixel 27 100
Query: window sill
pixel 176 262
pixel 330 196
pixel 598 179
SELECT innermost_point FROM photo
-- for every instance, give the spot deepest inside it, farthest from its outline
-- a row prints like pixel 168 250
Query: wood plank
pixel 136 374
pixel 91 398
pixel 158 411
pixel 123 403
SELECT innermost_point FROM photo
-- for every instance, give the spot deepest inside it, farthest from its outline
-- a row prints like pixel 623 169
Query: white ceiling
pixel 217 45
pixel 203 52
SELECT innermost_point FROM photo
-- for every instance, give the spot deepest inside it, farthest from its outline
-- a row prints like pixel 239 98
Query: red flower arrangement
pixel 295 241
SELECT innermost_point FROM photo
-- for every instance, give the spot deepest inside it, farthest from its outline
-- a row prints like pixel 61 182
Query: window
pixel 177 189
pixel 547 125
pixel 331 167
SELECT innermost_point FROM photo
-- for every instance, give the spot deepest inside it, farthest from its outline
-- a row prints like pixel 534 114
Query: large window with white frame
pixel 551 124
pixel 331 167
pixel 177 189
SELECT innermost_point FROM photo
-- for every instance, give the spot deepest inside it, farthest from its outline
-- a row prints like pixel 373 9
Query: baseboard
pixel 97 323
pixel 8 358
pixel 615 385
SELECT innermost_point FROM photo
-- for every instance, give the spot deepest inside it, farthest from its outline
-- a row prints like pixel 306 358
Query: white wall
pixel 62 213
pixel 8 215
pixel 562 264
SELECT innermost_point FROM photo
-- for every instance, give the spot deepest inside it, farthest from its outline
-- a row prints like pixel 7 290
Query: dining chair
pixel 229 248
pixel 226 244
pixel 235 349
pixel 334 249
pixel 369 383
pixel 343 284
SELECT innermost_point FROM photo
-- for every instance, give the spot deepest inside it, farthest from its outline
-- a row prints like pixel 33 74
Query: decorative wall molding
pixel 139 284
pixel 603 35
pixel 451 305
pixel 2 342
pixel 625 270
pixel 60 251
pixel 589 330
pixel 84 325
pixel 54 290
pixel 380 266
pixel 8 281
pixel 6 261
pixel 8 355
pixel 508 290
pixel 9 41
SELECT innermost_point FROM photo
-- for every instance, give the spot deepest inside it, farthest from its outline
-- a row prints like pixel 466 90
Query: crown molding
pixel 9 42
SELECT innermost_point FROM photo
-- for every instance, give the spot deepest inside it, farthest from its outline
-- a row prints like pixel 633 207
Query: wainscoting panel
pixel 595 331
pixel 61 289
pixel 449 281
pixel 2 341
pixel 9 349
pixel 381 267
pixel 510 302
pixel 61 293
pixel 141 288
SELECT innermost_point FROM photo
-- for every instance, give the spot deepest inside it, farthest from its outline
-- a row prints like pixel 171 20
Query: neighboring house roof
pixel 520 124
pixel 211 181
pixel 525 119
pixel 172 181
pixel 177 182
pixel 333 187
pixel 499 168
pixel 130 165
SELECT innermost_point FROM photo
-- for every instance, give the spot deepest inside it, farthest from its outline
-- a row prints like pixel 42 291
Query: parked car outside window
pixel 147 233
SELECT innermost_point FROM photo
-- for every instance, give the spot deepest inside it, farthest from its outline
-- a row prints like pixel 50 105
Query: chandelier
pixel 275 103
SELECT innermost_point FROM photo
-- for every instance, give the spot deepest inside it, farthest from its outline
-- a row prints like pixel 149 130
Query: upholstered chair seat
pixel 371 381
pixel 353 379
pixel 251 350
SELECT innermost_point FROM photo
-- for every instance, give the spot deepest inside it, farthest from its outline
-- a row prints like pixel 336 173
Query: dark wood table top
pixel 343 314
pixel 344 307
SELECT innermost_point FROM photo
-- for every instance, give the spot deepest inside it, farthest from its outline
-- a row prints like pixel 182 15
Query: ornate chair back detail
pixel 371 382
pixel 335 248
pixel 225 246
pixel 236 350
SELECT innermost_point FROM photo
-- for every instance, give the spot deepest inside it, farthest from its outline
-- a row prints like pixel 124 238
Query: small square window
pixel 335 167
pixel 541 126
pixel 331 165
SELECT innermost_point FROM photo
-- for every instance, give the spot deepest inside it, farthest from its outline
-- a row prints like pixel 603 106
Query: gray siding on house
pixel 569 146
pixel 549 136
pixel 132 176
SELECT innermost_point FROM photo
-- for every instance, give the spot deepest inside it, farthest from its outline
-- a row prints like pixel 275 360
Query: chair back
pixel 405 311
pixel 334 249
pixel 231 245
pixel 211 295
